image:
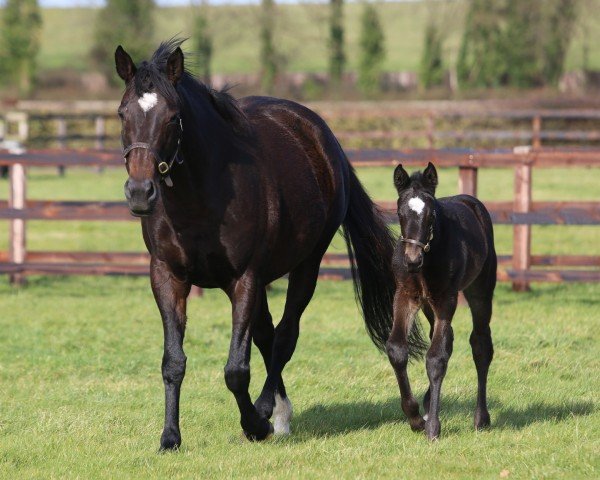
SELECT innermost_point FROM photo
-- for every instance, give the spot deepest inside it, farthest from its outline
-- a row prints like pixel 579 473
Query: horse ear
pixel 430 174
pixel 401 179
pixel 125 66
pixel 175 66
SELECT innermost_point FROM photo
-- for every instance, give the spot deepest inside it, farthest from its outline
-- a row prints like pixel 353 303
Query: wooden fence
pixel 522 212
pixel 519 126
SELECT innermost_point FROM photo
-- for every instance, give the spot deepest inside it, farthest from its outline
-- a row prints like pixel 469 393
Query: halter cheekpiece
pixel 163 167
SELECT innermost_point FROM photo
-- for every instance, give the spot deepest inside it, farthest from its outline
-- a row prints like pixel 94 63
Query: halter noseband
pixel 425 246
pixel 163 167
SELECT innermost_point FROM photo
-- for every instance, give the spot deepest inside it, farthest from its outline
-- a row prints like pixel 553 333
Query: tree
pixel 122 22
pixel 480 59
pixel 21 31
pixel 523 44
pixel 268 54
pixel 561 22
pixel 204 43
pixel 432 67
pixel 337 57
pixel 372 50
pixel 517 43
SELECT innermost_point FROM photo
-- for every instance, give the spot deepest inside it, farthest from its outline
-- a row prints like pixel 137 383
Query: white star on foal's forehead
pixel 416 205
pixel 148 101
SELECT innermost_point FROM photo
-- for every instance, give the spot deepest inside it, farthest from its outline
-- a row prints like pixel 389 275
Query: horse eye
pixel 121 115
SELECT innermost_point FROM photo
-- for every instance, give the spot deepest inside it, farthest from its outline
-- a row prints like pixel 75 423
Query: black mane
pixel 151 76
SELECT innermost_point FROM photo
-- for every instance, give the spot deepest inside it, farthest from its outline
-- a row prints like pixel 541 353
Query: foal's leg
pixel 480 303
pixel 171 298
pixel 263 334
pixel 428 311
pixel 437 359
pixel 397 350
pixel 246 299
pixel 301 287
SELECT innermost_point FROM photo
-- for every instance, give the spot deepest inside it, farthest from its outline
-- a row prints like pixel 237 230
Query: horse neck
pixel 206 148
pixel 438 225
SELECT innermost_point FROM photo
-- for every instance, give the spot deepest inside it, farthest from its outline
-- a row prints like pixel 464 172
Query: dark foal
pixel 446 245
pixel 233 195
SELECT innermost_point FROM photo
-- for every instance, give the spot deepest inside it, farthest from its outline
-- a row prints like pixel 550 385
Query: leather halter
pixel 425 246
pixel 163 167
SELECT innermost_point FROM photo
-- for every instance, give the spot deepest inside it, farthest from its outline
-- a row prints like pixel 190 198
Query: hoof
pixel 266 431
pixel 417 424
pixel 264 407
pixel 482 420
pixel 170 441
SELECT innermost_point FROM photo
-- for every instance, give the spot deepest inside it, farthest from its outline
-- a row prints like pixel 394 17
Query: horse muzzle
pixel 141 196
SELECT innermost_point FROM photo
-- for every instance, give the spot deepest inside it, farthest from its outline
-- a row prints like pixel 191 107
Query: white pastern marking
pixel 148 101
pixel 426 417
pixel 416 205
pixel 282 414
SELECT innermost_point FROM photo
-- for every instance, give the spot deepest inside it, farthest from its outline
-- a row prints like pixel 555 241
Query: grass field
pixel 82 394
pixel 301 34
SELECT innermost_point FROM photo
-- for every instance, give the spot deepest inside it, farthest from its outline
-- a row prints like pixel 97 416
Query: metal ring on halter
pixel 163 167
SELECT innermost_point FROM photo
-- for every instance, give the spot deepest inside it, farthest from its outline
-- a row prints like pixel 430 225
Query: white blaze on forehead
pixel 416 205
pixel 148 101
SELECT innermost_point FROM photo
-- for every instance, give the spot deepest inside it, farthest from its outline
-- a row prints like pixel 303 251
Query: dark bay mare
pixel 446 245
pixel 233 195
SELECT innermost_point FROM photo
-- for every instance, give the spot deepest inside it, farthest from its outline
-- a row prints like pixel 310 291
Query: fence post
pixel 467 180
pixel 17 248
pixel 536 137
pixel 522 233
pixel 61 134
pixel 22 127
pixel 100 123
pixel 430 130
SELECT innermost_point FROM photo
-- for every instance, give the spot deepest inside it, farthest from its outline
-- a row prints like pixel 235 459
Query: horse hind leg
pixel 479 296
pixel 263 335
pixel 301 286
pixel 428 311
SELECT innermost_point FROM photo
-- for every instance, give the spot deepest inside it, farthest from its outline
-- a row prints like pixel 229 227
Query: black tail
pixel 370 248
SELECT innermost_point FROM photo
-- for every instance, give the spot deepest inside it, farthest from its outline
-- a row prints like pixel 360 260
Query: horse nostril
pixel 150 189
pixel 127 190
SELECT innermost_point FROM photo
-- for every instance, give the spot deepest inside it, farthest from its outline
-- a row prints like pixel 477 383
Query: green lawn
pixel 82 395
pixel 301 34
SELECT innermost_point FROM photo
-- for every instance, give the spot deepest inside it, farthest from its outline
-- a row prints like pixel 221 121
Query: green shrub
pixel 372 50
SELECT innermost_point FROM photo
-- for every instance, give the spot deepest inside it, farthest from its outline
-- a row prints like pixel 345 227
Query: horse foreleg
pixel 397 350
pixel 246 299
pixel 437 359
pixel 171 298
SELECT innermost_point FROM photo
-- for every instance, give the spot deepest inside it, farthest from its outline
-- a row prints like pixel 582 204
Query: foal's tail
pixel 370 248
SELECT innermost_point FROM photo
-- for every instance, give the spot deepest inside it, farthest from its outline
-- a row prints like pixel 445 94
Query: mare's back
pixel 296 145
